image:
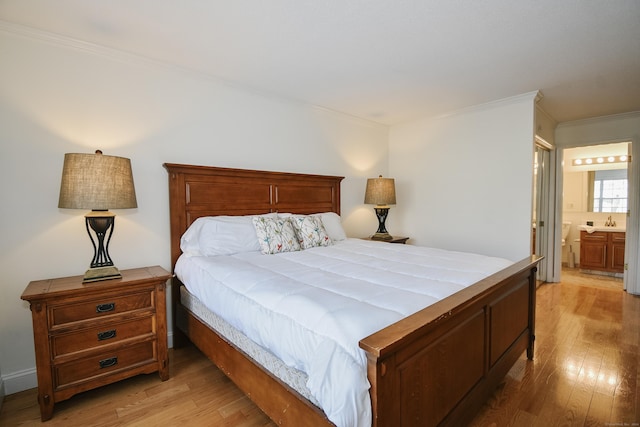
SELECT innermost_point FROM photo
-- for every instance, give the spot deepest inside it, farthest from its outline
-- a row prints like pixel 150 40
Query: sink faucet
pixel 610 222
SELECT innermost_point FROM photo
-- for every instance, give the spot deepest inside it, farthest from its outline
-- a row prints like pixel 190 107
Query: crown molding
pixel 532 97
pixel 60 40
pixel 593 120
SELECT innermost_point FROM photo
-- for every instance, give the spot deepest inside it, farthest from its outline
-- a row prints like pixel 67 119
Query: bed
pixel 434 367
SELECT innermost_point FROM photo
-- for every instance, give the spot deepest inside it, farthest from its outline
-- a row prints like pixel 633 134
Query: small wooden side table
pixel 396 239
pixel 93 334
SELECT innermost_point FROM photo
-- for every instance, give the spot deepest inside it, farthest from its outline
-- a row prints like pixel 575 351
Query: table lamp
pixel 382 193
pixel 99 183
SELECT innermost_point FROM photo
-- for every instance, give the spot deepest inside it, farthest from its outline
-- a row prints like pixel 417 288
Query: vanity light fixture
pixel 99 183
pixel 609 159
pixel 382 193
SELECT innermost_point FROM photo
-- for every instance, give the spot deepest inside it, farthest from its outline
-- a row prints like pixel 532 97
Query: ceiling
pixel 389 61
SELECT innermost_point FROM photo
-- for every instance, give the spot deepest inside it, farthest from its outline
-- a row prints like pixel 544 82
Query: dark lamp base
pixel 98 274
pixel 382 233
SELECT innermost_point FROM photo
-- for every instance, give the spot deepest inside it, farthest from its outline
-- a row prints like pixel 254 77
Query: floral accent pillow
pixel 275 235
pixel 310 231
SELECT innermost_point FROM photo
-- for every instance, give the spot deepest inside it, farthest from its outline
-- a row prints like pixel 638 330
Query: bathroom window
pixel 609 190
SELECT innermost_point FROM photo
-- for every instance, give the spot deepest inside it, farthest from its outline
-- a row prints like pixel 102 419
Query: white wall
pixel 545 125
pixel 464 181
pixel 600 130
pixel 59 96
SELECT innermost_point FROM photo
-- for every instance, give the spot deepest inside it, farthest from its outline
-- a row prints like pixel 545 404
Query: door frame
pixel 545 241
pixel 630 281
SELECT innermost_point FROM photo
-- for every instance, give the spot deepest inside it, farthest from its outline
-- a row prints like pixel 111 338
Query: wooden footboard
pixel 438 366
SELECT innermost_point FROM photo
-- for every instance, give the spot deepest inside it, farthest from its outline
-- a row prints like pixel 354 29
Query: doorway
pixel 595 195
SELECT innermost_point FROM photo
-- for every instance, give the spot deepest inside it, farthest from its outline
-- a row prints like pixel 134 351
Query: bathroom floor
pixel 573 276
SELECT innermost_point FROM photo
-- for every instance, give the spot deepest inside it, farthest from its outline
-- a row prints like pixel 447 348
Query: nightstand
pixel 93 334
pixel 402 240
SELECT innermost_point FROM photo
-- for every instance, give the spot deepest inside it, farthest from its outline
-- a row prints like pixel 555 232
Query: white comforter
pixel 310 308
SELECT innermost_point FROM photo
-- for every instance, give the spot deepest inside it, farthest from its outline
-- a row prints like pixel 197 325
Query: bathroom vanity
pixel 602 249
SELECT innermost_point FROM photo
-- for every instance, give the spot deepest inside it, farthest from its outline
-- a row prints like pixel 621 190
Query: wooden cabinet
pixel 93 334
pixel 617 251
pixel 602 251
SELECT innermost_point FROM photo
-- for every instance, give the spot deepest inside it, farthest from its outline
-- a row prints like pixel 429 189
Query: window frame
pixel 597 183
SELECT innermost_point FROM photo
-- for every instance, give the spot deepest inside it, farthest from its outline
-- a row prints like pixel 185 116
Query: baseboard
pixel 1 393
pixel 20 381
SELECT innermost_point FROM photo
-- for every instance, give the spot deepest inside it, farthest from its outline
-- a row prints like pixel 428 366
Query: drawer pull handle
pixel 106 335
pixel 106 363
pixel 103 308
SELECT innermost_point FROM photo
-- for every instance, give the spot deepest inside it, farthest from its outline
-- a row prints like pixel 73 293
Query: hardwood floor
pixel 585 370
pixel 196 394
pixel 585 373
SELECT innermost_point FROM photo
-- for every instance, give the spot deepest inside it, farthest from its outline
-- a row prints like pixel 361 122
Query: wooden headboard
pixel 196 191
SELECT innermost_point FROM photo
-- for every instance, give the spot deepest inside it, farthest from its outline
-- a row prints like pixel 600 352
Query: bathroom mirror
pixel 595 178
pixel 596 191
pixel 607 191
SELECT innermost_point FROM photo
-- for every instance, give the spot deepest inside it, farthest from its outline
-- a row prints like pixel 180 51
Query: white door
pixel 542 227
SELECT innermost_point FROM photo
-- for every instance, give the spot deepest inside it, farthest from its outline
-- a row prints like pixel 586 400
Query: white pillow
pixel 189 244
pixel 310 231
pixel 275 235
pixel 333 224
pixel 221 235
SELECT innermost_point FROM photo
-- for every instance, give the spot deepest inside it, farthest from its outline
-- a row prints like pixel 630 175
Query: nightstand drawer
pixel 104 364
pixel 95 308
pixel 106 334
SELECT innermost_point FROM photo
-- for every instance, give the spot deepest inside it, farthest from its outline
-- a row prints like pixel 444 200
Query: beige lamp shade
pixel 380 191
pixel 97 182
